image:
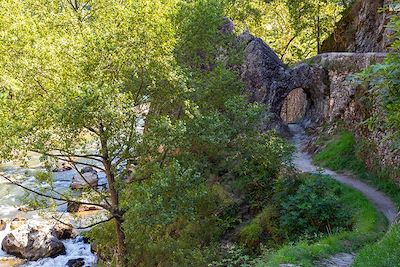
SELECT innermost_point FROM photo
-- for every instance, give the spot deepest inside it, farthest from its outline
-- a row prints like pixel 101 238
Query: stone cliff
pixel 362 29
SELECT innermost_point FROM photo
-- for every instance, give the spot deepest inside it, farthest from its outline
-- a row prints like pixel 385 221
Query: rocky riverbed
pixel 30 235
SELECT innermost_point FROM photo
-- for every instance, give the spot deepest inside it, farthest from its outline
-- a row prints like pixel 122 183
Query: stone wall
pixel 352 104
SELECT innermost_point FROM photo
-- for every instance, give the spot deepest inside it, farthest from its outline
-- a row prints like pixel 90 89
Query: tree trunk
pixel 121 246
pixel 116 211
pixel 319 29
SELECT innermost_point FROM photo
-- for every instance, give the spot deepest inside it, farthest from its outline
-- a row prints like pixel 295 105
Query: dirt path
pixel 383 203
pixel 304 163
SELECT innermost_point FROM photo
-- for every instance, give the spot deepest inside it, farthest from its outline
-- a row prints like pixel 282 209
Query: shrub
pixel 313 209
pixel 264 228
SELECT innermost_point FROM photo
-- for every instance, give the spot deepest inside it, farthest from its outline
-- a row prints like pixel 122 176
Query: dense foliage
pixel 74 81
pixel 303 207
pixel 294 29
pixel 148 93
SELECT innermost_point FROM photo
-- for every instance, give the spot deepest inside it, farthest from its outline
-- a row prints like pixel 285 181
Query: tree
pixel 294 29
pixel 319 17
pixel 76 73
pixel 74 79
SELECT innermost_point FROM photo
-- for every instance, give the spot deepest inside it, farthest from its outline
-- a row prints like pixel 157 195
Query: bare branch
pixel 91 187
pixel 53 197
pixel 63 158
pixel 85 227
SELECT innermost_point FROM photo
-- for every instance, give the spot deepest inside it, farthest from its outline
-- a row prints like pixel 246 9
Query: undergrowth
pixel 368 227
pixel 384 253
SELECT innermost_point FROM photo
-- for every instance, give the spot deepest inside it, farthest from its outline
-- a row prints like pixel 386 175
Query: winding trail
pixel 384 204
pixel 303 162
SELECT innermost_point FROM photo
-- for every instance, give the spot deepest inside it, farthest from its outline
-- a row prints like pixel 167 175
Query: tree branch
pixel 92 188
pixel 52 197
pixel 85 227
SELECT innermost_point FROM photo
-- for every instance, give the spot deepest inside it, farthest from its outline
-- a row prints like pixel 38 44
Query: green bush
pixel 369 225
pixel 263 229
pixel 313 209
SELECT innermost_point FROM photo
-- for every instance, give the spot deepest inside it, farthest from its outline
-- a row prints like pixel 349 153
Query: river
pixel 10 202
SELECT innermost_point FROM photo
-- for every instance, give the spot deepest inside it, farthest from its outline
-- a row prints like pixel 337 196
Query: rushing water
pixel 9 203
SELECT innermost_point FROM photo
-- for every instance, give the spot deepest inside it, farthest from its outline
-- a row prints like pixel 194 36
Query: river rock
pixel 25 208
pixel 64 166
pixel 76 207
pixel 63 231
pixel 3 225
pixel 11 262
pixel 87 169
pixel 17 222
pixel 87 177
pixel 76 262
pixel 32 244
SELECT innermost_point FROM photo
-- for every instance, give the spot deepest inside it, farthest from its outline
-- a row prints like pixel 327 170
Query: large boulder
pixel 86 178
pixel 32 243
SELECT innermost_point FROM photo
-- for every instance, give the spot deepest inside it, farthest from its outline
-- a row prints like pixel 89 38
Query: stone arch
pixel 269 81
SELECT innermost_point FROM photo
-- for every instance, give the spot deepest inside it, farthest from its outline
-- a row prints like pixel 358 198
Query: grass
pixel 385 253
pixel 340 154
pixel 369 226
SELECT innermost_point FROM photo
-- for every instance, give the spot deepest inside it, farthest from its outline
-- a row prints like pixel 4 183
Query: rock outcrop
pixel 268 81
pixel 362 29
pixel 330 93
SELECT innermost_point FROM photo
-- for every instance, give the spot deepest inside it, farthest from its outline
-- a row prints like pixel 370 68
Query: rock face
pixel 86 178
pixel 362 29
pixel 32 243
pixel 295 106
pixel 339 68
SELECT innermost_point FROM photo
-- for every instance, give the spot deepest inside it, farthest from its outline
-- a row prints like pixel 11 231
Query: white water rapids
pixel 9 203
